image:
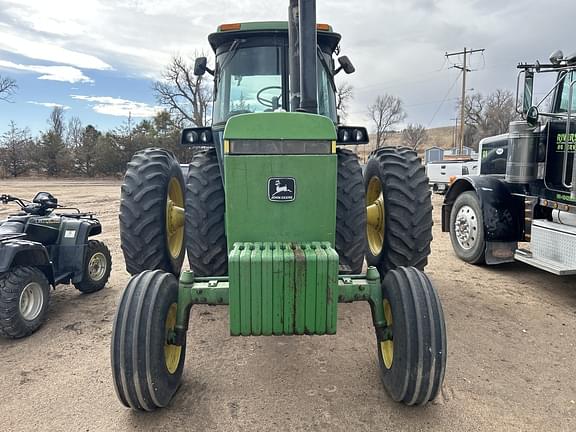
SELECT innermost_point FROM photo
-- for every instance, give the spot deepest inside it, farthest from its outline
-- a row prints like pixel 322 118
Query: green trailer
pixel 277 220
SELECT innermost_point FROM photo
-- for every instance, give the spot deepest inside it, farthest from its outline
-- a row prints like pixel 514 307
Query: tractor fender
pixel 19 252
pixel 502 208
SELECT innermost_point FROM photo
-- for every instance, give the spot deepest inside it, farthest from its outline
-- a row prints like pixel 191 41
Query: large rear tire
pixel 205 204
pixel 399 210
pixel 412 358
pixel 24 298
pixel 350 213
pixel 152 213
pixel 146 369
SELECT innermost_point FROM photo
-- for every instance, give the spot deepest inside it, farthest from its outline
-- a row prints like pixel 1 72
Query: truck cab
pixel 526 190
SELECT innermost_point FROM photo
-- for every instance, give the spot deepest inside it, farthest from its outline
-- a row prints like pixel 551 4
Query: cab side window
pixel 565 94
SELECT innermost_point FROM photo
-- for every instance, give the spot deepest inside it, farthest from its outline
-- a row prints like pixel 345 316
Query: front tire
pixel 152 212
pixel 97 267
pixel 399 210
pixel 412 358
pixel 467 229
pixel 146 369
pixel 24 299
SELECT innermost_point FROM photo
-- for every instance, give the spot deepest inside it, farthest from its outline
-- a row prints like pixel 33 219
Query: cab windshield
pixel 254 80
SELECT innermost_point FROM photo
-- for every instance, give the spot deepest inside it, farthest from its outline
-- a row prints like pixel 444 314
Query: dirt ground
pixel 511 350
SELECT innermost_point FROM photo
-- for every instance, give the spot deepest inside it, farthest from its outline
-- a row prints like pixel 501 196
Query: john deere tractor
pixel 277 220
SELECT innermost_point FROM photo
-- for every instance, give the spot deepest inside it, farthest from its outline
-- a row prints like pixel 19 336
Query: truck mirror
pixel 528 92
pixel 532 116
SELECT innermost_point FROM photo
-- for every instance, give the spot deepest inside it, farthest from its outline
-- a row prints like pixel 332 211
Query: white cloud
pixel 42 50
pixel 49 104
pixel 51 73
pixel 397 45
pixel 119 107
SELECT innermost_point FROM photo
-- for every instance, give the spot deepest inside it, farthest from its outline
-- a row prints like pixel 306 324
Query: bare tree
pixel 15 150
pixel 74 132
pixel 487 115
pixel 7 88
pixel 186 96
pixel 344 94
pixel 414 136
pixel 385 112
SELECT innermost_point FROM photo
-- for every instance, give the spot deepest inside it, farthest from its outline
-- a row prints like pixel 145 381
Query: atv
pixel 40 248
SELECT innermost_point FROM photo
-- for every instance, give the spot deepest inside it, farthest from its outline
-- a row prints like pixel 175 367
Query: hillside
pixel 439 137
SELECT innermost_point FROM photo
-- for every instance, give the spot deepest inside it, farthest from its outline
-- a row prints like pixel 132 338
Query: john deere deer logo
pixel 281 189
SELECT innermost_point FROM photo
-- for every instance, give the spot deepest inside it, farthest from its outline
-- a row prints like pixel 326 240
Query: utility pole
pixel 464 69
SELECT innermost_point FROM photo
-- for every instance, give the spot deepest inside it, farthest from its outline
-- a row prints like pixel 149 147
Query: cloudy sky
pixel 99 58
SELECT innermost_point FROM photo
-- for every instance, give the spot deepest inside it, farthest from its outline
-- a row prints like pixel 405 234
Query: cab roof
pixel 227 32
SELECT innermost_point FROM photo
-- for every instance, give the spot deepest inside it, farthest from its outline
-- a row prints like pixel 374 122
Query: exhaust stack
pixel 304 25
pixel 294 55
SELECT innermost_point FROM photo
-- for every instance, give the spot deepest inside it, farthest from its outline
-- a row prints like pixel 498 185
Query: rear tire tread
pixel 205 204
pixel 350 212
pixel 408 208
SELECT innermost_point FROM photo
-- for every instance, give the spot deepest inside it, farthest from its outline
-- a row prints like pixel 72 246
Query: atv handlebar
pixel 5 199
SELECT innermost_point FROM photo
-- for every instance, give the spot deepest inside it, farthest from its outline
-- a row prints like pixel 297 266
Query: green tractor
pixel 277 220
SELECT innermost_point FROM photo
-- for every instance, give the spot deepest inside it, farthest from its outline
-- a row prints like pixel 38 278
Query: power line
pixel 443 100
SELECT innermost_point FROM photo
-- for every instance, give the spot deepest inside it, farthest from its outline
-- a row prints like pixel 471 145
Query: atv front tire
pixel 97 267
pixel 24 298
pixel 152 212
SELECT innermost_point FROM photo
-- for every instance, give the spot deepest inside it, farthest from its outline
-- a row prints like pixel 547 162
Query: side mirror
pixel 532 116
pixel 202 137
pixel 200 66
pixel 346 65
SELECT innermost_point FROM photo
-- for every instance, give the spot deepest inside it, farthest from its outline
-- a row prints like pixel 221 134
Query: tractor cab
pixel 252 73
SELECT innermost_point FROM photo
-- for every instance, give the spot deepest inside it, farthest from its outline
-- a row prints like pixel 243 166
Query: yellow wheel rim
pixel 375 216
pixel 387 346
pixel 171 352
pixel 175 218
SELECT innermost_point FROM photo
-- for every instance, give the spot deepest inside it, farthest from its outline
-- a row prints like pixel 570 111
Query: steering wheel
pixel 268 102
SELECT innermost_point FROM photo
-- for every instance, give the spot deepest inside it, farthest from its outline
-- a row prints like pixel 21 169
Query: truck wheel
pixel 350 213
pixel 399 210
pixel 146 369
pixel 97 267
pixel 412 356
pixel 24 298
pixel 152 212
pixel 467 229
pixel 205 231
